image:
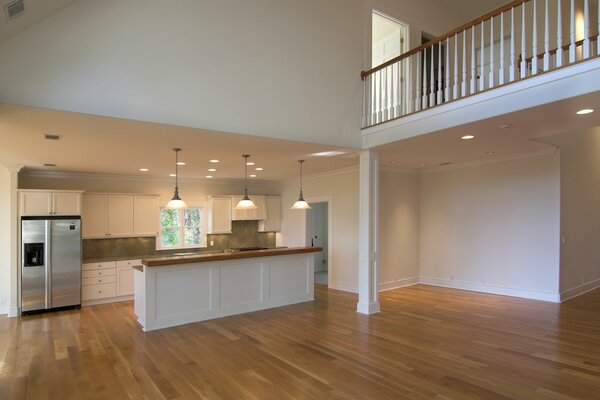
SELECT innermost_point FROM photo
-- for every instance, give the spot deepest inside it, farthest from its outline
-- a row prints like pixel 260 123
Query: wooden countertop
pixel 205 257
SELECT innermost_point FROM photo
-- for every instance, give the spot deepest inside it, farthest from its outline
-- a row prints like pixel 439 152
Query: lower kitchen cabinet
pixel 107 282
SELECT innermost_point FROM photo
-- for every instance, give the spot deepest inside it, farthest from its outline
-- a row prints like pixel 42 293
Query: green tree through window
pixel 180 228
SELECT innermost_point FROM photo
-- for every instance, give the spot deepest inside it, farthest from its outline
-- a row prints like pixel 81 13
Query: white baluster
pixel 369 88
pixel 447 79
pixel 473 63
pixel 363 119
pixel 439 77
pixel 455 87
pixel 559 37
pixel 534 59
pixel 384 94
pixel 408 79
pixel 424 101
pixel 572 45
pixel 482 61
pixel 380 96
pixel 432 80
pixel 523 43
pixel 420 56
pixel 501 71
pixel 398 89
pixel 511 68
pixel 546 39
pixel 587 45
pixel 464 65
pixel 492 66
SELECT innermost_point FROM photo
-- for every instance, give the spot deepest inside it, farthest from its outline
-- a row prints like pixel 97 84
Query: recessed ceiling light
pixel 394 162
pixel 328 153
pixel 490 153
pixel 422 165
pixel 49 165
pixel 172 175
pixel 505 126
pixel 212 170
pixel 249 163
pixel 144 169
pixel 50 136
pixel 214 161
pixel 585 111
pixel 209 176
pixel 468 137
pixel 180 163
pixel 258 168
pixel 252 176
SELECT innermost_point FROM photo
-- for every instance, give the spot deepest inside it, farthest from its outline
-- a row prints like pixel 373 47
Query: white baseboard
pixel 106 301
pixel 398 283
pixel 579 290
pixel 371 308
pixel 345 287
pixel 526 294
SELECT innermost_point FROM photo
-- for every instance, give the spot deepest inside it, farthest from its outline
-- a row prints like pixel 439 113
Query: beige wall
pixel 493 227
pixel 398 228
pixel 580 210
pixel 8 241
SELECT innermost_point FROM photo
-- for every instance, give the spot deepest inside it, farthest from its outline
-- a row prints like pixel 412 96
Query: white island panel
pixel 241 283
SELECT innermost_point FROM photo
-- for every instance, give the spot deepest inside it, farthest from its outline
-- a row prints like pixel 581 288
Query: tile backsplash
pixel 244 234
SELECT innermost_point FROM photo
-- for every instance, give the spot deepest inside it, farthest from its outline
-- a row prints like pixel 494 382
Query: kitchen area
pixel 128 237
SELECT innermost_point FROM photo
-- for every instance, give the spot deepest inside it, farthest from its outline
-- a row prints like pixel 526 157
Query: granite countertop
pixel 225 255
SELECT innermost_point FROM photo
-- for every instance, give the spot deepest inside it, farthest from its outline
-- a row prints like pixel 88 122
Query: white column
pixel 9 254
pixel 368 282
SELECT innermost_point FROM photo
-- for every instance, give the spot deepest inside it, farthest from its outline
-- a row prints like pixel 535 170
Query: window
pixel 180 228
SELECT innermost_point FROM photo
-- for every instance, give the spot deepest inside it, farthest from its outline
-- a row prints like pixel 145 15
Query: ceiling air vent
pixel 49 136
pixel 14 9
pixel 445 163
pixel 49 165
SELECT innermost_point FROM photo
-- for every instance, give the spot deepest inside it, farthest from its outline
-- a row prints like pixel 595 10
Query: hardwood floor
pixel 428 343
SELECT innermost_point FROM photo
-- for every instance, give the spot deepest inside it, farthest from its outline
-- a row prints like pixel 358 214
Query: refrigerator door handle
pixel 48 256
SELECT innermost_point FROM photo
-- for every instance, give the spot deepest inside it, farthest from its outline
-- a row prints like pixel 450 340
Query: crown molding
pixel 319 175
pixel 398 170
pixel 116 177
pixel 491 160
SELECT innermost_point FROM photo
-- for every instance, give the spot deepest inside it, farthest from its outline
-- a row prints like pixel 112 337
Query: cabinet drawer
pixel 98 280
pixel 128 263
pixel 100 265
pixel 102 291
pixel 99 273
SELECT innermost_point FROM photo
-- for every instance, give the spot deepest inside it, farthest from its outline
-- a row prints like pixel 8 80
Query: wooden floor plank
pixel 427 343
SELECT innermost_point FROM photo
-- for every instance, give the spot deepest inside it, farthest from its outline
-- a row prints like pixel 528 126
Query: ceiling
pixel 102 145
pixel 493 135
pixel 35 11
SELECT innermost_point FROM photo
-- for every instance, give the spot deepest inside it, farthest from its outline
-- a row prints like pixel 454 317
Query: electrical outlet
pixel 212 242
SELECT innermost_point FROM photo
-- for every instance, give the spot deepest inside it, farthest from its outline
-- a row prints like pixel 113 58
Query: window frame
pixel 181 229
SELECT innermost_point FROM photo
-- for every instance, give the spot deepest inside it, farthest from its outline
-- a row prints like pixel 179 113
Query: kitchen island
pixel 176 290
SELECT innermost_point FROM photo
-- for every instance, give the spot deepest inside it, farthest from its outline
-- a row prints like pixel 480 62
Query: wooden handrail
pixel 445 36
pixel 565 48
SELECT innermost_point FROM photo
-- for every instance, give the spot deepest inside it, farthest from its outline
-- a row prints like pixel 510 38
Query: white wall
pixel 493 227
pixel 341 187
pixel 8 241
pixel 398 228
pixel 580 210
pixel 286 69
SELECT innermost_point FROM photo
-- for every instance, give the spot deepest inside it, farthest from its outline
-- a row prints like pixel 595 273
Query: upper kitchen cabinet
pixel 258 213
pixel 119 215
pixel 48 203
pixel 219 217
pixel 145 215
pixel 273 221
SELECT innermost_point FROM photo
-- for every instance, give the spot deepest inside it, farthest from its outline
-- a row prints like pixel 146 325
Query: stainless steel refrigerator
pixel 51 263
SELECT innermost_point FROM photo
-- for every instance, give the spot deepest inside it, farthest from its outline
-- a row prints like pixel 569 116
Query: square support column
pixel 368 282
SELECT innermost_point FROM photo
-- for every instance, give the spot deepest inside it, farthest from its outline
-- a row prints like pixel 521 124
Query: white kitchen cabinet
pixel 42 202
pixel 125 276
pixel 120 215
pixel 94 218
pixel 219 216
pixel 146 214
pixel 106 282
pixel 258 213
pixel 273 221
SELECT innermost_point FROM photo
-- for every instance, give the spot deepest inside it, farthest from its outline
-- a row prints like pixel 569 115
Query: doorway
pixel 317 235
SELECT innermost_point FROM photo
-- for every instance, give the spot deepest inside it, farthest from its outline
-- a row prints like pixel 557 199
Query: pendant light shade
pixel 176 202
pixel 245 203
pixel 301 204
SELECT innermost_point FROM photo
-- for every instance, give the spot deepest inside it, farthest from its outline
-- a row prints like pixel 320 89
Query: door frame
pixel 329 201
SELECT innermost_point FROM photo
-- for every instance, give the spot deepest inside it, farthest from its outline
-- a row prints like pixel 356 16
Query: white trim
pixel 368 309
pixel 504 291
pixel 329 201
pixel 344 287
pixel 579 290
pixel 397 284
pixel 107 300
pixel 13 312
pixel 319 175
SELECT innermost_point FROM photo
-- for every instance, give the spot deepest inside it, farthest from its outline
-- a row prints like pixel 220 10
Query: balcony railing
pixel 522 39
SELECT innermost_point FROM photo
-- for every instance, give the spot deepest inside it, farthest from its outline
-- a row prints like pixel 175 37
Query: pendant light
pixel 245 203
pixel 176 202
pixel 301 204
